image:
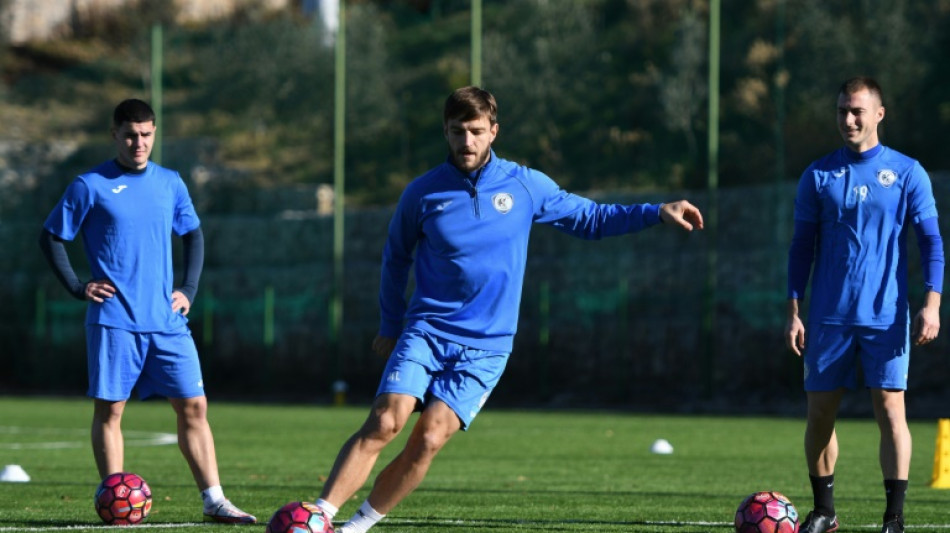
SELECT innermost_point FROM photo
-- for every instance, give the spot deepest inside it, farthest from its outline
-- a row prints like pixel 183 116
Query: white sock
pixel 328 508
pixel 212 496
pixel 365 518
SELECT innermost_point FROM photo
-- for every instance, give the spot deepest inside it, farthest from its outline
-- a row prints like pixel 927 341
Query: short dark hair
pixel 858 83
pixel 132 110
pixel 470 103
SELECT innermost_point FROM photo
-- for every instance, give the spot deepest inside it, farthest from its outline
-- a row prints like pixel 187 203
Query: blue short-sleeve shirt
pixel 126 220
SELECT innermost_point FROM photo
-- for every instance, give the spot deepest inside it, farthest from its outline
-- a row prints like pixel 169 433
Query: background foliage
pixel 599 93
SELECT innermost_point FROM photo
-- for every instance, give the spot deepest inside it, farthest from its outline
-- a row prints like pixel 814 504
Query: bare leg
pixel 356 459
pixel 821 442
pixel 895 450
pixel 435 427
pixel 108 446
pixel 195 439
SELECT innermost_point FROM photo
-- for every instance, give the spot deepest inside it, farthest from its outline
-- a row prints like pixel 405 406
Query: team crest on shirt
pixel 886 177
pixel 503 202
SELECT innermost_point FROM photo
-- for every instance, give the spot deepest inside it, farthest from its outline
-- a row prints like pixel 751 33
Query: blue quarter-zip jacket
pixel 470 240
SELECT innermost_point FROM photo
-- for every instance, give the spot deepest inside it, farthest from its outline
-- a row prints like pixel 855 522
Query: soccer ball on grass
pixel 766 512
pixel 299 517
pixel 124 499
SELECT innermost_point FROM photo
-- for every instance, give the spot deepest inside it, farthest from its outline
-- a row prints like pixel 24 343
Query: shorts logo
pixel 483 399
pixel 393 377
pixel 481 403
pixel 886 177
pixel 503 202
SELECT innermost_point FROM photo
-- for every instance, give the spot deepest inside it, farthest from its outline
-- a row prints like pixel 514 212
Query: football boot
pixel 227 513
pixel 894 525
pixel 817 523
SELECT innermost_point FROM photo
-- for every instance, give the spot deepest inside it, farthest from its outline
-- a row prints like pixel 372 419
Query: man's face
pixel 859 114
pixel 133 141
pixel 470 142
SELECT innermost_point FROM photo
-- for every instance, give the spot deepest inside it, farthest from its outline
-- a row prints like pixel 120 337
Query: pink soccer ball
pixel 766 512
pixel 299 517
pixel 123 499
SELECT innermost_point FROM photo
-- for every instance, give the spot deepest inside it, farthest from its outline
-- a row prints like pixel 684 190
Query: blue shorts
pixel 155 364
pixel 427 367
pixel 833 354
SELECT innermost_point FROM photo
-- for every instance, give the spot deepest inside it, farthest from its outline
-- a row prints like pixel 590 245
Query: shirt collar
pixel 865 155
pixel 130 170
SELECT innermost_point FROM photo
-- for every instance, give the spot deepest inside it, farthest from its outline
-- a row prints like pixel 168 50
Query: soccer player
pixel 464 225
pixel 136 332
pixel 852 213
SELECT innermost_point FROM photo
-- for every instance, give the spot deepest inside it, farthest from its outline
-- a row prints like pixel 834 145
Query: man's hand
pixel 99 290
pixel 794 329
pixel 683 214
pixel 926 324
pixel 383 346
pixel 180 303
pixel 795 335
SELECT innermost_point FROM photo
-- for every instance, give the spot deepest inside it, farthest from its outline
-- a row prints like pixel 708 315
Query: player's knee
pixel 822 418
pixel 384 427
pixel 891 415
pixel 424 445
pixel 434 440
pixel 191 408
pixel 432 435
pixel 388 417
pixel 822 408
pixel 108 412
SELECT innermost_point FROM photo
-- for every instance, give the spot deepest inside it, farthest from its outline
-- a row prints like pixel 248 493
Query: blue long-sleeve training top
pixel 852 212
pixel 468 240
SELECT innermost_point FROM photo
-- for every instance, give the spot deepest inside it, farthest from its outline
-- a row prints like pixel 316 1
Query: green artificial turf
pixel 515 471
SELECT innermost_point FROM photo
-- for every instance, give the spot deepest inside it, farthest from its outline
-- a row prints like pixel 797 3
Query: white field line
pixel 105 528
pixel 471 523
pixel 63 438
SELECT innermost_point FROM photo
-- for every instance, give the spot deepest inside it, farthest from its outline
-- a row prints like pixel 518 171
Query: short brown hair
pixel 858 83
pixel 469 103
